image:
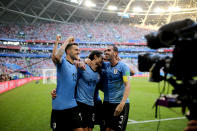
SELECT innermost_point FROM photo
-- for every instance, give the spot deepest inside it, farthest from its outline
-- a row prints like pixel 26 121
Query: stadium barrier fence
pixel 9 85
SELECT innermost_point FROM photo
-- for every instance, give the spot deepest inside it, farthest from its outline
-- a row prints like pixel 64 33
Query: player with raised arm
pixel 65 114
pixel 87 81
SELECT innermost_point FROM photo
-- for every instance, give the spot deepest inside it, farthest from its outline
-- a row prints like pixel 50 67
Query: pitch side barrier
pixel 9 85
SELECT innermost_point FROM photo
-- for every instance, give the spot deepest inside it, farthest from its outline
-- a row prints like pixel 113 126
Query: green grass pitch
pixel 28 108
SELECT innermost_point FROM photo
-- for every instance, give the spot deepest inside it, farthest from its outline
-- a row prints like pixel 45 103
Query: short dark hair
pixel 70 45
pixel 115 48
pixel 94 52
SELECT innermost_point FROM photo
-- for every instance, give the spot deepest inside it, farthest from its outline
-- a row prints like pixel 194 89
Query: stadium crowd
pixel 84 32
pixel 32 65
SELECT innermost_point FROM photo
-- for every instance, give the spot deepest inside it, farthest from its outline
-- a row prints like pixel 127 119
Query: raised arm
pixel 58 54
pixel 55 48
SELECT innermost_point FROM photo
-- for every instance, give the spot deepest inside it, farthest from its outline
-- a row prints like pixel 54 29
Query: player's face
pixel 109 53
pixel 99 61
pixel 74 52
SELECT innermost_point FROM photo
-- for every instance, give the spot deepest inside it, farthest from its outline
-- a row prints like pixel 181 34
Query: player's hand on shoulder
pixel 80 64
pixel 118 58
pixel 88 61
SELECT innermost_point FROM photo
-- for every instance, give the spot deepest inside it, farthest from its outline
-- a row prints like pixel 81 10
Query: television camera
pixel 180 69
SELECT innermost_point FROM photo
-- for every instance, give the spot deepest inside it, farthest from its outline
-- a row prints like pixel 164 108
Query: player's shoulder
pixel 61 62
pixel 122 64
pixel 105 64
pixel 63 59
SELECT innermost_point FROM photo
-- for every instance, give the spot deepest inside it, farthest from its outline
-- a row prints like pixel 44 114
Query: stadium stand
pixel 87 32
pixel 30 46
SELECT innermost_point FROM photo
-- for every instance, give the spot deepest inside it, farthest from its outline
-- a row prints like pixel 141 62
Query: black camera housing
pixel 182 36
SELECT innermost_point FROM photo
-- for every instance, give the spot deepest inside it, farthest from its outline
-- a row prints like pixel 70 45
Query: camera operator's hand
pixel 118 109
pixel 53 93
pixel 191 126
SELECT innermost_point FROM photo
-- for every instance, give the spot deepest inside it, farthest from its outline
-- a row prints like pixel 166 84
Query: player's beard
pixel 74 56
pixel 107 57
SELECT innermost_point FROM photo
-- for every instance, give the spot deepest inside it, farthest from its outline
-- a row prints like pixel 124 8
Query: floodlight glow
pixel 74 1
pixel 90 4
pixel 137 9
pixel 111 7
pixel 174 9
pixel 159 10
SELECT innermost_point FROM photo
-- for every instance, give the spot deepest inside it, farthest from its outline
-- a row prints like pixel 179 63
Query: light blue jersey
pixel 87 80
pixel 113 81
pixel 66 82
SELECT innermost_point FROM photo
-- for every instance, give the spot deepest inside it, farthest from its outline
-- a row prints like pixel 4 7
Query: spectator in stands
pixel 4 77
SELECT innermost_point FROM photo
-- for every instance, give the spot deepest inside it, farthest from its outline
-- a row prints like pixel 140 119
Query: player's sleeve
pixel 62 60
pixel 125 73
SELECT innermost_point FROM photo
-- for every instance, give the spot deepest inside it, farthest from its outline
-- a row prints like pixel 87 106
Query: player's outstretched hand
pixel 191 126
pixel 118 109
pixel 70 39
pixel 53 93
pixel 58 37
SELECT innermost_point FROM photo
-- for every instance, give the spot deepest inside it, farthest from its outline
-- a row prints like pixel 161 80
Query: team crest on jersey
pixel 115 71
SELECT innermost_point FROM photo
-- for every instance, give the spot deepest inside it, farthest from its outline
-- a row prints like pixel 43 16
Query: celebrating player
pixel 65 115
pixel 116 86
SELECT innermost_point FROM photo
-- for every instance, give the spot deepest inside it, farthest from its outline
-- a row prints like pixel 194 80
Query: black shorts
pixel 98 107
pixel 66 120
pixel 88 115
pixel 117 123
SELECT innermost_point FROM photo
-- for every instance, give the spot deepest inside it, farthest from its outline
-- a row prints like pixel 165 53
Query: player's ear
pixel 95 57
pixel 68 51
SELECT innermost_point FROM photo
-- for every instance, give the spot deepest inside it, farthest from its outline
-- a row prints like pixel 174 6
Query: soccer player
pixel 87 81
pixel 86 85
pixel 116 86
pixel 65 115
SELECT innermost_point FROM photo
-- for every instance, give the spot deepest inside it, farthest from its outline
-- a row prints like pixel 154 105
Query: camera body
pixel 182 36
